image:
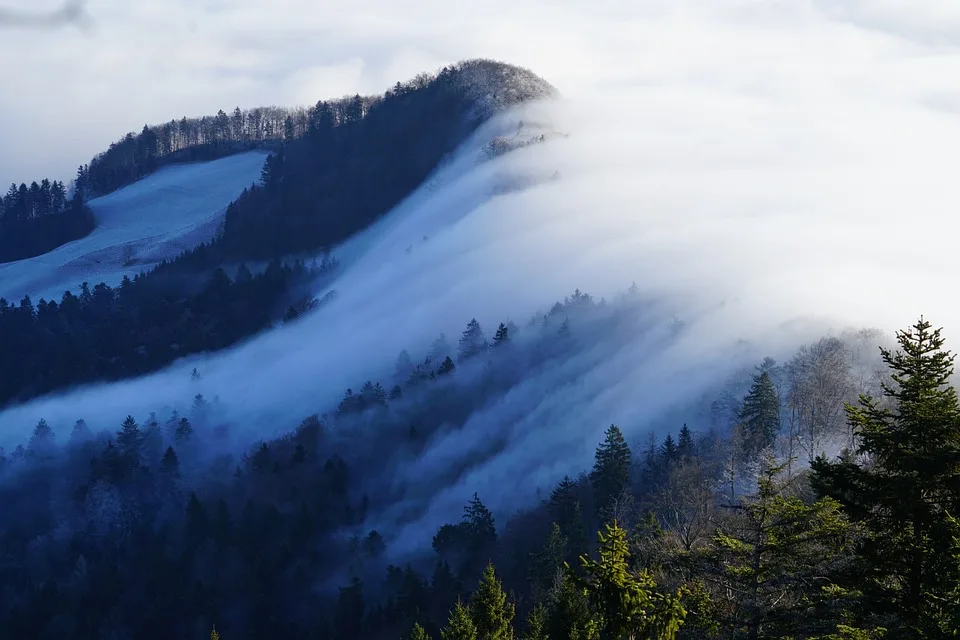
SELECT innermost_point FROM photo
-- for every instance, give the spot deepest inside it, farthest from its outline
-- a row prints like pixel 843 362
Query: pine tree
pixel 568 612
pixel 492 615
pixel 502 336
pixel 479 524
pixel 546 563
pixel 129 438
pixel 472 341
pixel 184 431
pixel 668 452
pixel 170 464
pixel 907 488
pixel 418 632
pixel 80 432
pixel 627 605
pixel 685 445
pixel 41 441
pixel 770 558
pixel 562 504
pixel 759 417
pixel 611 468
pixel 460 626
pixel 536 624
pixel 447 366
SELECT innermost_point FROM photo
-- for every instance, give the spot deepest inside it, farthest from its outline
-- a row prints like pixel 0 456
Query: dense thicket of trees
pixel 39 218
pixel 190 139
pixel 145 323
pixel 155 530
pixel 360 157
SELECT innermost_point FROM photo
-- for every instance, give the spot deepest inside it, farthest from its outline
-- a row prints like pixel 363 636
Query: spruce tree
pixel 129 438
pixel 80 432
pixel 769 560
pixel 184 431
pixel 685 445
pixel 479 524
pixel 625 604
pixel 41 441
pixel 460 626
pixel 472 341
pixel 490 611
pixel 546 563
pixel 447 366
pixel 563 501
pixel 502 336
pixel 905 488
pixel 536 624
pixel 418 632
pixel 611 468
pixel 759 417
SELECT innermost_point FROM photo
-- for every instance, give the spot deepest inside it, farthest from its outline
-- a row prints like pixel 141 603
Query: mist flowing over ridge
pixel 767 202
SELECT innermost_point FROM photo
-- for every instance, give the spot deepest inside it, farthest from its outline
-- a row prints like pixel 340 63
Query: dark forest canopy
pixel 39 218
pixel 153 529
pixel 147 322
pixel 360 157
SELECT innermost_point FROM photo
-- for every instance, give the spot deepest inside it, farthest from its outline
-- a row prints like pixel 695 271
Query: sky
pixel 74 89
pixel 765 171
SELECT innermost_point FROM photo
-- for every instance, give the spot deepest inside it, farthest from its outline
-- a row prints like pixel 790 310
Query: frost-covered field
pixel 174 209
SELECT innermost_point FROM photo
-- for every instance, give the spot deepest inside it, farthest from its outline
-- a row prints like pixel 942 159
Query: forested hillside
pixel 38 218
pixel 737 527
pixel 337 168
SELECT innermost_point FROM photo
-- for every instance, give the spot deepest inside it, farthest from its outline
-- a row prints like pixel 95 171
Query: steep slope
pixel 360 157
pixel 154 219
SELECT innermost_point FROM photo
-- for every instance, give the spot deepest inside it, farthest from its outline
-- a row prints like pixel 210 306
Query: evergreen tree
pixel 460 626
pixel 80 433
pixel 563 502
pixel 627 605
pixel 41 440
pixel 479 524
pixel 418 632
pixel 611 468
pixel 129 438
pixel 184 431
pixel 536 624
pixel 906 486
pixel 770 558
pixel 404 366
pixel 472 342
pixel 568 612
pixel 502 336
pixel 685 445
pixel 446 366
pixel 546 563
pixel 668 451
pixel 492 615
pixel 759 417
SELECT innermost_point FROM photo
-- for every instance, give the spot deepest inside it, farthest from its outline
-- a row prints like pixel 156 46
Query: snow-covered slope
pixel 174 209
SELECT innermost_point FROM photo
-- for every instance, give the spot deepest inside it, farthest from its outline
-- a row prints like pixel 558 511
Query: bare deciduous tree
pixel 687 505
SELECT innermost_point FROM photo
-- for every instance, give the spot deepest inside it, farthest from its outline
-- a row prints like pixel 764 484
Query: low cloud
pixel 765 173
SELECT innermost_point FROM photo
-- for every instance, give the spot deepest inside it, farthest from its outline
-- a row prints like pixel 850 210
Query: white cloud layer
pixel 761 168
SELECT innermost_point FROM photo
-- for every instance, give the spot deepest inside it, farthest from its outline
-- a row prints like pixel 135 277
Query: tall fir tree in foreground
pixel 904 487
pixel 611 468
pixel 759 417
pixel 626 605
pixel 490 611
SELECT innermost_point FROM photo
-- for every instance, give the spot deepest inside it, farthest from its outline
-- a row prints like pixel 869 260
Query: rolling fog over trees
pixel 592 375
